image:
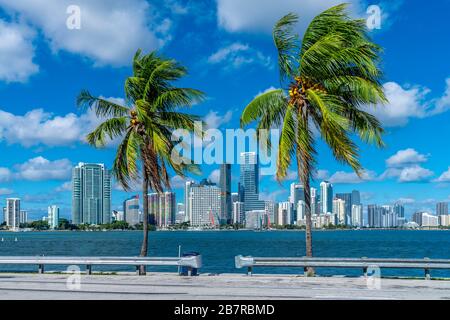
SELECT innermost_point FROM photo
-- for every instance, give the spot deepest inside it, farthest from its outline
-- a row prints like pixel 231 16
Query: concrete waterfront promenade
pixel 126 286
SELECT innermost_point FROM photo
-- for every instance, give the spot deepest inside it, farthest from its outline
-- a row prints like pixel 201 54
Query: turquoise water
pixel 218 248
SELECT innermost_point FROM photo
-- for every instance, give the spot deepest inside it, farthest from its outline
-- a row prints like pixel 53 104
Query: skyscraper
pixel 356 197
pixel 225 193
pixel 131 210
pixel 357 215
pixel 442 208
pixel 204 203
pixel 91 194
pixel 53 216
pixel 187 206
pixel 23 217
pixel 374 214
pixel 296 194
pixel 314 202
pixel 238 212
pixel 12 213
pixel 167 213
pixel 249 181
pixel 339 210
pixel 348 198
pixel 326 197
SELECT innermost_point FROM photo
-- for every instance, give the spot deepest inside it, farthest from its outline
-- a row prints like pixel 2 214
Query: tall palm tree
pixel 145 124
pixel 326 79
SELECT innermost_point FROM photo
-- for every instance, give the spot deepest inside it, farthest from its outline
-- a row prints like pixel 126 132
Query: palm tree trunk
pixel 144 247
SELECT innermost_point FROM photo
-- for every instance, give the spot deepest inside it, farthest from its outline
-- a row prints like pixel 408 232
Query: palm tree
pixel 326 79
pixel 145 124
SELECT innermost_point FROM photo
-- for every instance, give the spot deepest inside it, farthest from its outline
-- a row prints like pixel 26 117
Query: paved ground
pixel 225 286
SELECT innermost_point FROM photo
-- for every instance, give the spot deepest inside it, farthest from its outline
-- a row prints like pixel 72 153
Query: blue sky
pixel 227 47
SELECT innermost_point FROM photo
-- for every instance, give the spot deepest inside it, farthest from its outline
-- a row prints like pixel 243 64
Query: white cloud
pixel 214 176
pixel 214 121
pixel 322 174
pixel 273 196
pixel 16 52
pixel 404 103
pixel 409 102
pixel 66 186
pixel 405 157
pixel 414 174
pixel 351 177
pixel 5 192
pixel 237 54
pixel 443 103
pixel 39 168
pixel 444 177
pixel 261 15
pixel 5 174
pixel 110 33
pixel 177 182
pixel 406 200
pixel 38 127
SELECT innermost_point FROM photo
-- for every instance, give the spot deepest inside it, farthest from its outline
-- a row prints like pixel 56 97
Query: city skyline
pixel 229 55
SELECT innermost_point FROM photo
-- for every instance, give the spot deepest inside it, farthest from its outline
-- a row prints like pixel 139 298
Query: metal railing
pixel 189 262
pixel 364 263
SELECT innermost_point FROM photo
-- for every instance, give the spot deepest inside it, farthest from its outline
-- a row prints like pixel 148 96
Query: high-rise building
pixel 91 194
pixel 374 214
pixel 301 212
pixel 131 210
pixel 238 212
pixel 285 213
pixel 204 204
pixel 347 197
pixel 234 197
pixel 314 202
pixel 442 208
pixel 339 211
pixel 53 216
pixel 167 214
pixel 180 215
pixel 249 181
pixel 225 193
pixel 12 216
pixel 357 215
pixel 356 197
pixel 326 197
pixel 271 209
pixel 297 193
pixel 23 218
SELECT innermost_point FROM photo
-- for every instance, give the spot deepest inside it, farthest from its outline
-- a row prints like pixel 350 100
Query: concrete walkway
pixel 212 287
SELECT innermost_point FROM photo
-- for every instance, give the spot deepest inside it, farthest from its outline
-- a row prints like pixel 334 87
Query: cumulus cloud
pixel 214 176
pixel 214 120
pixel 237 55
pixel 444 177
pixel 5 174
pixel 66 186
pixel 177 182
pixel 16 52
pixel 409 102
pixel 343 177
pixel 405 157
pixel 261 15
pixel 272 196
pixel 415 173
pixel 39 168
pixel 38 127
pixel 110 30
